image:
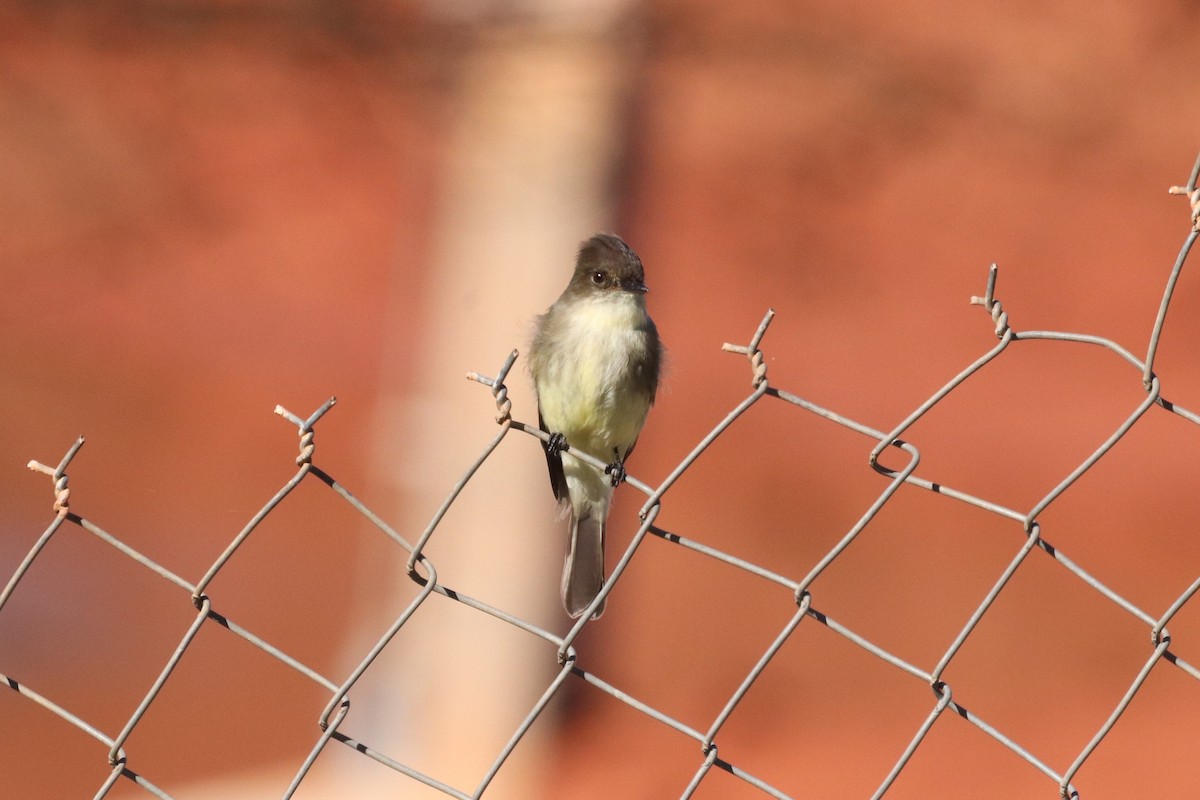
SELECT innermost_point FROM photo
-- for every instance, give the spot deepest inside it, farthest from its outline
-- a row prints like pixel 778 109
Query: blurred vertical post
pixel 535 141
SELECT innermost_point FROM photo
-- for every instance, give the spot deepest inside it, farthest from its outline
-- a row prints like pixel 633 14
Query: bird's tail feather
pixel 583 572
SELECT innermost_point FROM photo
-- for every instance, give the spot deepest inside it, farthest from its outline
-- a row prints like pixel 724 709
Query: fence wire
pixel 331 719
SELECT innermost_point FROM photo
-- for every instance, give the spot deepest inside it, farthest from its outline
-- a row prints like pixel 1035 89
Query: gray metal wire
pixel 330 719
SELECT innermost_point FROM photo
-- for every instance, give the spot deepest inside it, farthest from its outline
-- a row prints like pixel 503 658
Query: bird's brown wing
pixel 558 480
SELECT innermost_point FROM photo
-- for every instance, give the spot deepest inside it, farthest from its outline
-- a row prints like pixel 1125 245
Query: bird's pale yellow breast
pixel 587 392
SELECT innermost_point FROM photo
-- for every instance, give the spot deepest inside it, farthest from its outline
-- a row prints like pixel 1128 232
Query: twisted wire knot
pixel 307 434
pixel 503 404
pixel 993 306
pixel 62 492
pixel 307 446
pixel 1193 196
pixel 758 366
pixel 499 390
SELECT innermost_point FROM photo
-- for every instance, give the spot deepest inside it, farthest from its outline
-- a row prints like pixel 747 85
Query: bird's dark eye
pixel 598 278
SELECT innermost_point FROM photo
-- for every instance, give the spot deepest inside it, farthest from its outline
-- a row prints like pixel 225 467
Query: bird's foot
pixel 556 444
pixel 615 472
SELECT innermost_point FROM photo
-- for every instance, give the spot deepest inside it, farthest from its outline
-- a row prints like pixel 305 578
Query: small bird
pixel 595 362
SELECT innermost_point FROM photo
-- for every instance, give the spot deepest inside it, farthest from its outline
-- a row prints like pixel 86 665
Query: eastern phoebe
pixel 595 360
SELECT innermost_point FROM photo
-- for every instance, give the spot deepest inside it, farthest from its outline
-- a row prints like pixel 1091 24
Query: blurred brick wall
pixel 203 201
pixel 856 167
pixel 204 208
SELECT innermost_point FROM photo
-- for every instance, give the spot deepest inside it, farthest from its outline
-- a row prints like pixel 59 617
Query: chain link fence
pixel 894 460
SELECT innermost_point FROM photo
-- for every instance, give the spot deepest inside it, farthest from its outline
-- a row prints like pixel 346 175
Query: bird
pixel 595 361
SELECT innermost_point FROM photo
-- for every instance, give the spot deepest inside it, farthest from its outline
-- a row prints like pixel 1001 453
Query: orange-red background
pixel 206 209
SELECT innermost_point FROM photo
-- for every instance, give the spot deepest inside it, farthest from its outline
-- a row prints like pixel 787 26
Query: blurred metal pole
pixel 532 155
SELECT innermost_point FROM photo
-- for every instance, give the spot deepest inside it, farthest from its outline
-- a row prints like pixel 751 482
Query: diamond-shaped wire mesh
pixel 894 461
